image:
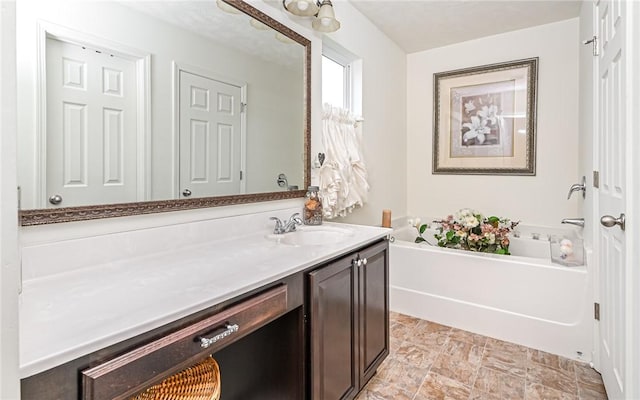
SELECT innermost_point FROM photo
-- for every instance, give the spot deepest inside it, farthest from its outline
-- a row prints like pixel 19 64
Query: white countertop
pixel 73 313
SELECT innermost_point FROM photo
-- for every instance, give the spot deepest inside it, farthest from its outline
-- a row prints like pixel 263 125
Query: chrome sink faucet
pixel 289 226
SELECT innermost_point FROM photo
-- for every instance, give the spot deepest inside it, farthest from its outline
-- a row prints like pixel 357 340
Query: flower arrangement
pixel 470 230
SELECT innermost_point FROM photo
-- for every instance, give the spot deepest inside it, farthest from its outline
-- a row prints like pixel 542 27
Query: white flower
pixel 470 221
pixel 477 129
pixel 491 237
pixel 488 113
pixel 468 107
pixel 468 218
pixel 462 214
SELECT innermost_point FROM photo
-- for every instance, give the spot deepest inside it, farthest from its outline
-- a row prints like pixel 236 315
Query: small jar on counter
pixel 312 213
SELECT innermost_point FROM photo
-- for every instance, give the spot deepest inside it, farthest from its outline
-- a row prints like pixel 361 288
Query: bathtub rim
pixel 539 262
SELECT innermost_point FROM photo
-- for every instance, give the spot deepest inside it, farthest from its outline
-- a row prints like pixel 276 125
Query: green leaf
pixel 501 251
pixel 423 228
pixel 420 239
pixel 450 235
pixel 493 220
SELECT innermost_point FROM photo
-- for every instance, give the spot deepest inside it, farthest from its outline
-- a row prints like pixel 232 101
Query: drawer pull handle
pixel 229 329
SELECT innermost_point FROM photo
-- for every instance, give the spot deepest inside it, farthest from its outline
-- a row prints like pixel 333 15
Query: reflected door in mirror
pixel 210 136
pixel 91 126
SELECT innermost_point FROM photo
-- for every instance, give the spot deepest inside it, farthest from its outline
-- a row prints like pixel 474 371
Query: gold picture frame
pixel 485 119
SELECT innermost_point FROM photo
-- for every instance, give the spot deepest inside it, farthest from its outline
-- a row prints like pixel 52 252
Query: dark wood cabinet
pixel 333 330
pixel 348 306
pixel 373 311
pixel 319 333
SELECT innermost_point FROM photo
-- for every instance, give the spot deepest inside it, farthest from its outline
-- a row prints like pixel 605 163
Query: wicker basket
pixel 198 382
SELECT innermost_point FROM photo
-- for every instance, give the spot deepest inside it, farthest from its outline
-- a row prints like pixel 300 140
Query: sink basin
pixel 313 236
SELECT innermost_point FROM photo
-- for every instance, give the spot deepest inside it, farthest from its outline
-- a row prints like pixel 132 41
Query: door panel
pixel 333 334
pixel 612 194
pixel 91 126
pixel 210 136
pixel 373 310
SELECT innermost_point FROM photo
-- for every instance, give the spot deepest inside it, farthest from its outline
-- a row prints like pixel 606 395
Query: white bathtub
pixel 525 299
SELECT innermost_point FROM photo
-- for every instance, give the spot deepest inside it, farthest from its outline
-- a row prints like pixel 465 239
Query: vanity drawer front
pixel 145 366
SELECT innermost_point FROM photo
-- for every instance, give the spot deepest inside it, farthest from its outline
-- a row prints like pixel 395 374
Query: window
pixel 335 83
pixel 341 74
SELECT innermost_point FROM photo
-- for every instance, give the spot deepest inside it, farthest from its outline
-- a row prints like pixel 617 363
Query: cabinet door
pixel 333 331
pixel 373 309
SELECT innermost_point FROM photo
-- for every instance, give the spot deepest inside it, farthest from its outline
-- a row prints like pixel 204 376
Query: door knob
pixel 609 221
pixel 186 193
pixel 55 199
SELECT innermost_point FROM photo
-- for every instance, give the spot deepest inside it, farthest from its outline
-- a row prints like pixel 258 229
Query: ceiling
pixel 417 25
pixel 206 18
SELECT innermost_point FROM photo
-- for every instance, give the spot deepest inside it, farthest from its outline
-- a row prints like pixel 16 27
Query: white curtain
pixel 343 175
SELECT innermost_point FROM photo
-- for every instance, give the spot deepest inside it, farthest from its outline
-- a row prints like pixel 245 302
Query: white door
pixel 210 137
pixel 91 126
pixel 612 194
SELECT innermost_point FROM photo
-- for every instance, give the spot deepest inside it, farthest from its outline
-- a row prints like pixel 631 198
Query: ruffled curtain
pixel 343 175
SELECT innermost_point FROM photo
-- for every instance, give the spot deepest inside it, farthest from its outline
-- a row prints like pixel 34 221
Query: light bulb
pixel 303 5
pixel 325 21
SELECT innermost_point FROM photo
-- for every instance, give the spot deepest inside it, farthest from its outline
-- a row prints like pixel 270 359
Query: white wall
pixel 274 92
pixel 383 109
pixel 9 275
pixel 541 199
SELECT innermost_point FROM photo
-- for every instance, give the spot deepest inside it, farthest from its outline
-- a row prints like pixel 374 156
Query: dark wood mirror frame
pixel 70 214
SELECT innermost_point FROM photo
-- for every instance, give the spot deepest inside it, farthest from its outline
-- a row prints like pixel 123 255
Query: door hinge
pixel 240 175
pixel 596 311
pixel 243 107
pixel 596 179
pixel 19 197
pixel 594 43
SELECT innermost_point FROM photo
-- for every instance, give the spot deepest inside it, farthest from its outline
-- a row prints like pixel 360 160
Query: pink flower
pixel 487 228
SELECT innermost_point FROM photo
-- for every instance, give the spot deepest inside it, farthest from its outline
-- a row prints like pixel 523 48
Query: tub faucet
pixel 578 187
pixel 289 226
pixel 573 221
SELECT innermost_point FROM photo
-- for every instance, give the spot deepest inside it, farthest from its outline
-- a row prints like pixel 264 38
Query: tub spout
pixel 573 221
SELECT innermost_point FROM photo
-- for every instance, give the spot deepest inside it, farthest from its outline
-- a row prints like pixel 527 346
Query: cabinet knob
pixel 364 261
pixel 357 263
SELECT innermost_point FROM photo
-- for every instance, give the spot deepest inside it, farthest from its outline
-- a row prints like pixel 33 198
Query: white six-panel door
pixel 210 136
pixel 91 126
pixel 612 194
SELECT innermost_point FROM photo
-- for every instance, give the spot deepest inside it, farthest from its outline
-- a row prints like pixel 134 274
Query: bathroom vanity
pixel 293 316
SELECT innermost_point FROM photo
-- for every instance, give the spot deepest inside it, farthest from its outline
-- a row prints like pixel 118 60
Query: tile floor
pixel 432 361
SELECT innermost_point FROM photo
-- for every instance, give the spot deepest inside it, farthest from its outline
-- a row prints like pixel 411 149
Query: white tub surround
pixel 524 299
pixel 129 283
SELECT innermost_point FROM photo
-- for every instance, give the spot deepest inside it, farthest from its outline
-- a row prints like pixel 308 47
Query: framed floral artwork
pixel 485 119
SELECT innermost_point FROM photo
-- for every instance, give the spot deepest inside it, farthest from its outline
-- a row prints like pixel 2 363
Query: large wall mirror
pixel 132 107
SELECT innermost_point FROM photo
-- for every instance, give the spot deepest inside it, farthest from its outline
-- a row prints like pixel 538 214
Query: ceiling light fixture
pixel 324 18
